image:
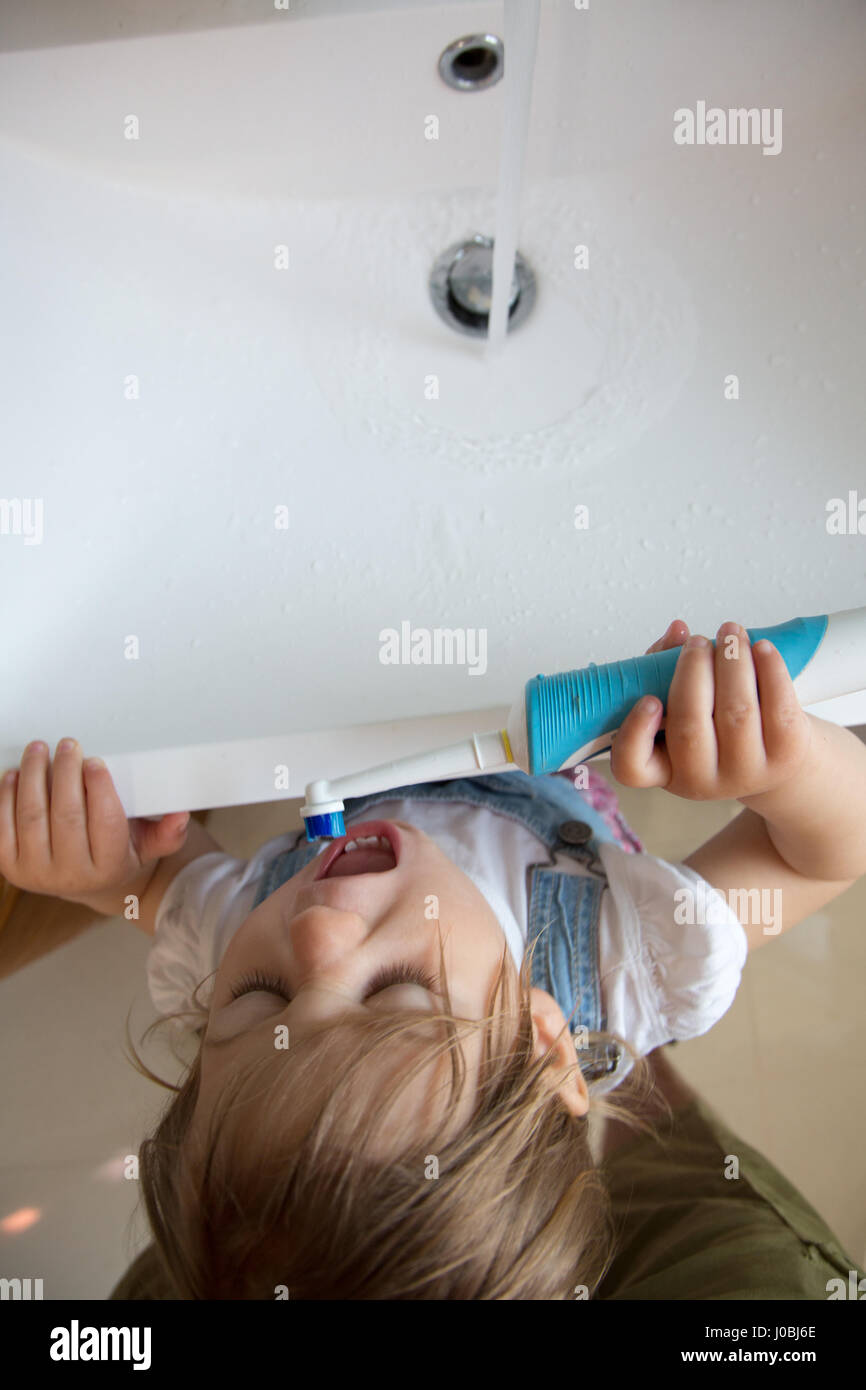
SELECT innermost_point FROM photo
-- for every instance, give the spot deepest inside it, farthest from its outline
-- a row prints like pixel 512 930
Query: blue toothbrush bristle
pixel 330 826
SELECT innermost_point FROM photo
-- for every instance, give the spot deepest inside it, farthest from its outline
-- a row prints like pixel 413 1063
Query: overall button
pixel 575 832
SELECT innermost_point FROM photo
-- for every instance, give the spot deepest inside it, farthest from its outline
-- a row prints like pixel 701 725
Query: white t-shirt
pixel 660 979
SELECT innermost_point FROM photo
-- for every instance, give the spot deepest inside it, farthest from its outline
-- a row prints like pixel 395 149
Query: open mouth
pixel 372 847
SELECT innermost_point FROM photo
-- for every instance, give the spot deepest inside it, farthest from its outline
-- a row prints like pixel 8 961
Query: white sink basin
pixel 308 388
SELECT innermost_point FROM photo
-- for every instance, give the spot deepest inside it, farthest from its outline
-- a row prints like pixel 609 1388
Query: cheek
pixel 472 939
pixel 247 951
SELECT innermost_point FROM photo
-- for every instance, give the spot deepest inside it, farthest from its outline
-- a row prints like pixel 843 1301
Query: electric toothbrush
pixel 565 719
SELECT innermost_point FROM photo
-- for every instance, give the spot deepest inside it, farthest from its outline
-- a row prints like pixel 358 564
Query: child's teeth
pixel 366 842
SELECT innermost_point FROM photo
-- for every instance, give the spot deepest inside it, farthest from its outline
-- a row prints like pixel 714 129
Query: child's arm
pixel 806 838
pixel 63 832
pixel 801 779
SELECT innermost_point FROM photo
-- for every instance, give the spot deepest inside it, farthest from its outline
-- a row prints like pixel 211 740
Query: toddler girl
pixel 400 1034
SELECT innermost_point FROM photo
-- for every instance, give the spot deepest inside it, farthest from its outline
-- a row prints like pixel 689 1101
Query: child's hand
pixel 719 742
pixel 63 830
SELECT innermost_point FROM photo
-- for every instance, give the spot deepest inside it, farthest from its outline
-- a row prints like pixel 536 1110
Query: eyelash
pixel 400 973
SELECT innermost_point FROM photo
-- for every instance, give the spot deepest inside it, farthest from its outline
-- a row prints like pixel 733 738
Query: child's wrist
pixel 112 902
pixel 769 803
pixel 816 819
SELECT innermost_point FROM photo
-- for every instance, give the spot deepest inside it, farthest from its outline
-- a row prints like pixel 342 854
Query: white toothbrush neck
pixel 838 667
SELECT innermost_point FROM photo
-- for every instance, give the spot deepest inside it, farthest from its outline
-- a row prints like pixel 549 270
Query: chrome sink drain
pixel 461 283
pixel 473 63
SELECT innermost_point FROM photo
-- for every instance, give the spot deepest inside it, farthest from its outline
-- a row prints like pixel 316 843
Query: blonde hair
pixel 518 1208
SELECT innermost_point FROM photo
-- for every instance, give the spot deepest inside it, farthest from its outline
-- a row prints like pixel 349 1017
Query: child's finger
pixel 785 725
pixel 153 840
pixel 68 812
pixel 677 632
pixel 31 808
pixel 690 735
pixel 736 713
pixel 107 826
pixel 8 833
pixel 635 758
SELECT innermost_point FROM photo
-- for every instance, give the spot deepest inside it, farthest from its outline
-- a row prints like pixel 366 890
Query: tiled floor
pixel 783 1067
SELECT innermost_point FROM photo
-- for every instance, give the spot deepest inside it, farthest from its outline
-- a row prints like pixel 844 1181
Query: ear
pixel 549 1024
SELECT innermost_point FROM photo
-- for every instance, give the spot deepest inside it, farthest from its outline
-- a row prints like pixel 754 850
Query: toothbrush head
pixel 322 814
pixel 330 826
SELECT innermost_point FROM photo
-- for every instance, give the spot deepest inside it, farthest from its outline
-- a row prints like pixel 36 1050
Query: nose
pixel 321 937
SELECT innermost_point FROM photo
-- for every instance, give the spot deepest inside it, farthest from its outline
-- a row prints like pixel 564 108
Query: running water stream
pixel 521 41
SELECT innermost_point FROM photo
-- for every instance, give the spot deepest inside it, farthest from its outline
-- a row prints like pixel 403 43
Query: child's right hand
pixel 733 726
pixel 64 833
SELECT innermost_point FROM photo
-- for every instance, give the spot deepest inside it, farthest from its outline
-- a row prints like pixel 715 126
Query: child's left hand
pixel 63 830
pixel 719 742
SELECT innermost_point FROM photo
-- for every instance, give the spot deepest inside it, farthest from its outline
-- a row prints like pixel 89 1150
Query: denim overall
pixel 566 961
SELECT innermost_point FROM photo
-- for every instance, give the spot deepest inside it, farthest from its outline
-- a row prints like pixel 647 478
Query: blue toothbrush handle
pixel 567 712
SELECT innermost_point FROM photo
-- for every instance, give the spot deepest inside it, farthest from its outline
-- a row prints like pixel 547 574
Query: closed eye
pixel 399 973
